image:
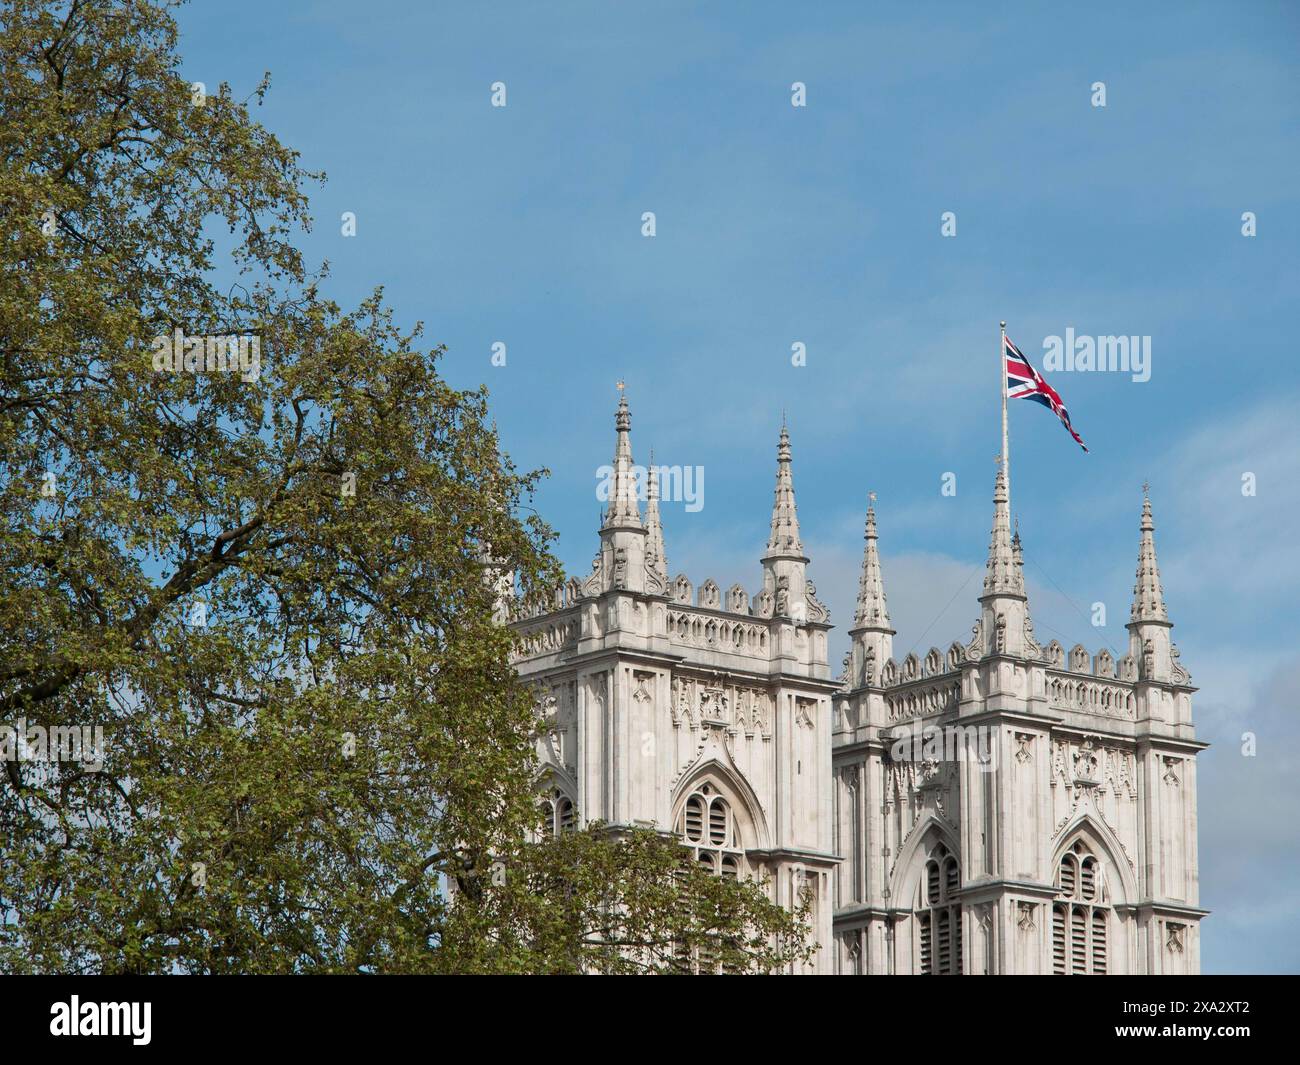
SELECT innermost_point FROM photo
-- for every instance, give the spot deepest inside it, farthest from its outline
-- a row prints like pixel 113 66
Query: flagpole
pixel 1002 387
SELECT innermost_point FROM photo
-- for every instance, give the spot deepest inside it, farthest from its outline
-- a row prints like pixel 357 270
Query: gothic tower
pixel 1007 808
pixel 997 807
pixel 703 714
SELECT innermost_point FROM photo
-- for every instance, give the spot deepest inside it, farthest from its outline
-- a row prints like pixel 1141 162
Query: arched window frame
pixel 939 916
pixel 1081 915
pixel 708 827
pixel 559 813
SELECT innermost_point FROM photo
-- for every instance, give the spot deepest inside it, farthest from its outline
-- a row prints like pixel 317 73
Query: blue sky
pixel 821 225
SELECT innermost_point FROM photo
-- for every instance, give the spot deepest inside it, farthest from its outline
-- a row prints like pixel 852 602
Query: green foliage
pixel 295 783
pixel 628 903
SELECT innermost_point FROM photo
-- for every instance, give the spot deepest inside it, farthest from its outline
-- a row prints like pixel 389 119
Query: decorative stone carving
pixel 889 675
pixel 956 655
pixel 1105 664
pixel 1067 692
pixel 557 635
pixel 783 597
pixel 682 711
pixel 1080 660
pixel 594 584
pixel 709 595
pixel 933 662
pixel 713 706
pixel 713 703
pixel 681 589
pixel 817 611
pixel 737 600
pixel 1032 647
pixel 556 711
pixel 1179 674
pixel 918 700
pixel 1085 762
pixel 655 583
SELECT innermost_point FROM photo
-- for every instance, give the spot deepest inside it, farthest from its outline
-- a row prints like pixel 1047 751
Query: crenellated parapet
pixel 714 630
pixel 1082 694
pixel 549 634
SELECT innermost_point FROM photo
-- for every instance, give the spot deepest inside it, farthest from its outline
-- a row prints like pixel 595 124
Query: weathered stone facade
pixel 1065 841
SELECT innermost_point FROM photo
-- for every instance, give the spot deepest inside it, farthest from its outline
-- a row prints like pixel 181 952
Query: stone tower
pixel 700 712
pixel 997 807
pixel 1004 807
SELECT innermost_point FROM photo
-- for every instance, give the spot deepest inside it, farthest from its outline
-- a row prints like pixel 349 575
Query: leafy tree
pixel 272 586
pixel 632 903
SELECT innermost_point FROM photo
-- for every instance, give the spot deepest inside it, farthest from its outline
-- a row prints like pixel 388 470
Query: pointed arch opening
pixel 929 878
pixel 1089 881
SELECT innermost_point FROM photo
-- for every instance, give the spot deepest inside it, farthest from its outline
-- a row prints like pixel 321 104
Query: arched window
pixel 1080 916
pixel 708 827
pixel 939 916
pixel 558 814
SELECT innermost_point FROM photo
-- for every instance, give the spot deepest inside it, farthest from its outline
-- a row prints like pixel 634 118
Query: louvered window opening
pixel 1080 919
pixel 939 922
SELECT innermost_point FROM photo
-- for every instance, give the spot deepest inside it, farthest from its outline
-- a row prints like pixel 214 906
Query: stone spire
pixel 623 509
pixel 873 611
pixel 1002 576
pixel 1148 599
pixel 1150 639
pixel 784 540
pixel 656 558
pixel 873 639
pixel 785 568
pixel 1004 627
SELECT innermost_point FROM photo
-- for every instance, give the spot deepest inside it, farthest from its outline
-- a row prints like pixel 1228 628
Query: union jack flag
pixel 1024 382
